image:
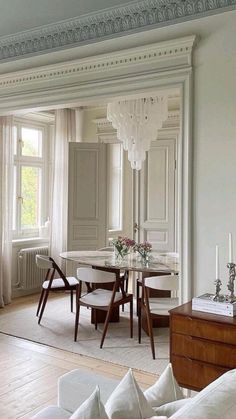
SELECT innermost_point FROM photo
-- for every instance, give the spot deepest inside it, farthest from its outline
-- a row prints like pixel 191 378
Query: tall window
pixel 30 169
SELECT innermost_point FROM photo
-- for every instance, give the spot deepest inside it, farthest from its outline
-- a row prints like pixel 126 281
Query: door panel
pixel 157 196
pixel 87 196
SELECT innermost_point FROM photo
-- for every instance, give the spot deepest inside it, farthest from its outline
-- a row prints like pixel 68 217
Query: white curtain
pixel 6 206
pixel 65 131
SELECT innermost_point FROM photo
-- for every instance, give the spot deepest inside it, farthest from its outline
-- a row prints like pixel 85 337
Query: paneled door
pixel 87 196
pixel 155 197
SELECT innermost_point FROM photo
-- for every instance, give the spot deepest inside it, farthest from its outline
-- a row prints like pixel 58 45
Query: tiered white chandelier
pixel 137 122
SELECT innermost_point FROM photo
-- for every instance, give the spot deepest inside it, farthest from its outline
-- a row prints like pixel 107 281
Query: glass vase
pixel 120 254
pixel 145 258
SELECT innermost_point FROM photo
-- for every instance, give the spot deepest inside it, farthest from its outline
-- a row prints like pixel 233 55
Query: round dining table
pixel 158 262
pixel 106 260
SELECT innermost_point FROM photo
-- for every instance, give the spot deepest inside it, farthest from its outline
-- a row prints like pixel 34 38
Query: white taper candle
pixel 217 261
pixel 230 248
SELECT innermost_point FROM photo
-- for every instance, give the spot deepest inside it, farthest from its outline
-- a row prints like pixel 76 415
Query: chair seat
pixel 59 283
pixel 100 298
pixel 162 306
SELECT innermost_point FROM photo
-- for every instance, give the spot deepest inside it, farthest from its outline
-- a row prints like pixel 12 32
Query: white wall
pixel 214 194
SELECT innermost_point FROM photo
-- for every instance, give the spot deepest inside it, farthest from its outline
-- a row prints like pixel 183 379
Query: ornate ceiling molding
pixel 109 23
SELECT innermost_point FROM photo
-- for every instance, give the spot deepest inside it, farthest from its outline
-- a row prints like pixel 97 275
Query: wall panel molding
pixel 84 78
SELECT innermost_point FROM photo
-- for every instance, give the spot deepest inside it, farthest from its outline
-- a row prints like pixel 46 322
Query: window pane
pixel 30 191
pixel 32 142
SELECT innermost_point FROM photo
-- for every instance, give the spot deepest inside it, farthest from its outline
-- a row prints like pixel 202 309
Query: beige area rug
pixel 57 330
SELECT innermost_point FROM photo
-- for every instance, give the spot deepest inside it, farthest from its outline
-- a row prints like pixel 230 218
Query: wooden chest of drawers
pixel 202 346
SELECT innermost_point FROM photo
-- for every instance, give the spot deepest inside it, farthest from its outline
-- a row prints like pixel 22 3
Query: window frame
pixel 31 161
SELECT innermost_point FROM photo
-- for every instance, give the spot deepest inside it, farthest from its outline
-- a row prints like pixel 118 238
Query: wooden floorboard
pixel 29 372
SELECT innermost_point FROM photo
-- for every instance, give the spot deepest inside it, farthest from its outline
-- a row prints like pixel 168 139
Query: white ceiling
pixel 20 15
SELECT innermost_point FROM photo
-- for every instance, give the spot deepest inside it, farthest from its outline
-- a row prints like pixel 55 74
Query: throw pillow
pixel 127 401
pixel 169 409
pixel 165 390
pixel 216 401
pixel 92 408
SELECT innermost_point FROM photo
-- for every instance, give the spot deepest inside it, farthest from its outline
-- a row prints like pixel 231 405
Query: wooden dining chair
pixel 123 273
pixel 154 307
pixel 101 299
pixel 50 283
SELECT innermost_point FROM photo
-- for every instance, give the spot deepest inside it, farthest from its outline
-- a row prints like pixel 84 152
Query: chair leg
pixel 137 298
pixel 127 283
pixel 43 305
pixel 108 316
pixel 71 301
pixel 40 302
pixel 77 321
pixel 139 323
pixel 150 330
pixel 131 318
pixel 95 319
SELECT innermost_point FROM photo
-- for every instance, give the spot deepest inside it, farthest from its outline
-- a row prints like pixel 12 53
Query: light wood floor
pixel 29 372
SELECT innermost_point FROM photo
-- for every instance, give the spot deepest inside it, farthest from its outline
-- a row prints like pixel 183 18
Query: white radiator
pixel 29 275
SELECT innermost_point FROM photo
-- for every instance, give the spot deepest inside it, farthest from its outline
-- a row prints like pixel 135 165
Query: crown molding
pixel 110 23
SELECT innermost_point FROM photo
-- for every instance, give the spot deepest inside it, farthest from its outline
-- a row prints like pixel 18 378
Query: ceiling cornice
pixel 110 23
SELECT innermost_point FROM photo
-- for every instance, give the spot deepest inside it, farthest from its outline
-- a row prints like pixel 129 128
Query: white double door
pixel 152 209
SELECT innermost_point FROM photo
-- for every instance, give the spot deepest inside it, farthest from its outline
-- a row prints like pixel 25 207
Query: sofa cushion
pixel 169 409
pixel 92 408
pixel 52 412
pixel 127 401
pixel 77 385
pixel 216 401
pixel 165 389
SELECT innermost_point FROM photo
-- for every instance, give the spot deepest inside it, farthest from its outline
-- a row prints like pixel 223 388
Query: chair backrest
pixel 163 282
pixel 94 276
pixel 46 262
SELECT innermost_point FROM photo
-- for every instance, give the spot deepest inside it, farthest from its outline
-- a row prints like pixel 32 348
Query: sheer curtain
pixel 6 207
pixel 65 131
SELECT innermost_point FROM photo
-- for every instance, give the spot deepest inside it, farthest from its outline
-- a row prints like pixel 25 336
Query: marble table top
pixel 158 262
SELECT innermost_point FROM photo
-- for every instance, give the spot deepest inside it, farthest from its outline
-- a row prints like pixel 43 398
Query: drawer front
pixel 194 375
pixel 203 350
pixel 219 332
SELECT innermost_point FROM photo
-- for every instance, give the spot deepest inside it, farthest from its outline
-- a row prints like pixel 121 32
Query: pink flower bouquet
pixel 123 245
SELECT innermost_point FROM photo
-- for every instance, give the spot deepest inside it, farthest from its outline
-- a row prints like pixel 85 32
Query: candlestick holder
pixel 232 275
pixel 218 296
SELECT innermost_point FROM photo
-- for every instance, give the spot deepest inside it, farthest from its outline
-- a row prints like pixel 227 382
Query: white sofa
pixel 74 388
pixel 218 400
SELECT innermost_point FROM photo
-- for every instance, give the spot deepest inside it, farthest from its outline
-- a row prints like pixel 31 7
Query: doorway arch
pixel 130 72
